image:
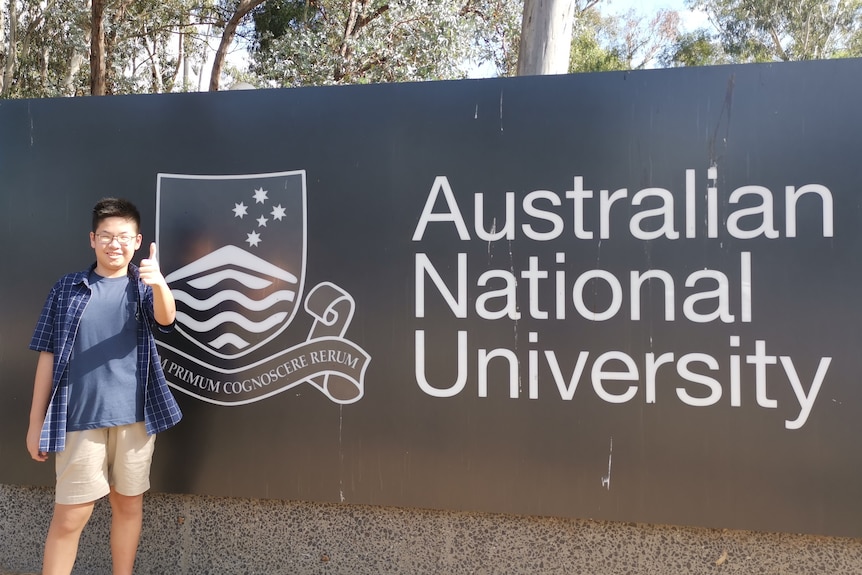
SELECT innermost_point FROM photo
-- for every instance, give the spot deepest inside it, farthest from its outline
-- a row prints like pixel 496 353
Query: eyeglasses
pixel 107 239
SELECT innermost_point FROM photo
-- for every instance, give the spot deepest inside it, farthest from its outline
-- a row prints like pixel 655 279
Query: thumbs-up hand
pixel 164 306
pixel 149 269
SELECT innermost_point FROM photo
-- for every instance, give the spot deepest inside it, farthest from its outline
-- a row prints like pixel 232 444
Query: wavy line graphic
pixel 248 280
pixel 230 317
pixel 233 295
pixel 229 339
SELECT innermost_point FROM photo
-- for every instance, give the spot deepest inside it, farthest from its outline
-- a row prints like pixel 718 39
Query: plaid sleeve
pixel 147 303
pixel 43 335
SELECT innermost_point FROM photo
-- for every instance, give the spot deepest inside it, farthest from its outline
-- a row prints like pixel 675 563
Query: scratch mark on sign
pixel 501 111
pixel 32 128
pixel 476 113
pixel 493 232
pixel 515 326
pixel 723 119
pixel 606 480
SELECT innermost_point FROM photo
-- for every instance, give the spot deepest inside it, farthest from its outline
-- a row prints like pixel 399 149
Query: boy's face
pixel 114 241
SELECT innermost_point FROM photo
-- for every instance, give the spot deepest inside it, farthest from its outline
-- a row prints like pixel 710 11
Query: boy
pixel 100 395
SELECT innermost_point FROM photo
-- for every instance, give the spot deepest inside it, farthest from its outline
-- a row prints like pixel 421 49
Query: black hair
pixel 115 208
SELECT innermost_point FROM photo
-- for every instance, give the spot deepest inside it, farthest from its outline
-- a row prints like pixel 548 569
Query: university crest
pixel 233 250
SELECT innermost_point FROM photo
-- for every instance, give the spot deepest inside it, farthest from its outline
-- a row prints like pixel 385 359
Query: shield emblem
pixel 233 249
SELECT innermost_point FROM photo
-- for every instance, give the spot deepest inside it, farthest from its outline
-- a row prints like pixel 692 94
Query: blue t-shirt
pixel 104 386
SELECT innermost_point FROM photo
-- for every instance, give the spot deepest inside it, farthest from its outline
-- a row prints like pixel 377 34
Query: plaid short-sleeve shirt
pixel 55 332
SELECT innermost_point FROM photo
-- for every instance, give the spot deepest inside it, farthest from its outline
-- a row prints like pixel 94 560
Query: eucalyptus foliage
pixel 593 44
pixel 770 30
pixel 698 48
pixel 150 45
pixel 44 45
pixel 305 42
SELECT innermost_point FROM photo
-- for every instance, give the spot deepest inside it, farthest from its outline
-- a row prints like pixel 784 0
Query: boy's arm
pixel 164 306
pixel 41 395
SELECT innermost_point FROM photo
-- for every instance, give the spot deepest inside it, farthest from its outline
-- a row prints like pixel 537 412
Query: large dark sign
pixel 622 296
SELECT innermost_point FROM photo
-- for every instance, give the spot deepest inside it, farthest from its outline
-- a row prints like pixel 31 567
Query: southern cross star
pixel 240 210
pixel 260 196
pixel 253 239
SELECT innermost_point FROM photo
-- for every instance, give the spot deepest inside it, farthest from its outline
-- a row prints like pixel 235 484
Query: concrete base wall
pixel 191 535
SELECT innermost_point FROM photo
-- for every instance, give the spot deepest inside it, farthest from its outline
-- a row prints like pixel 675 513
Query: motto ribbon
pixel 326 360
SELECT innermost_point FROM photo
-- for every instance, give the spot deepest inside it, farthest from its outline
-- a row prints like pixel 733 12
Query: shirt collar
pixel 83 277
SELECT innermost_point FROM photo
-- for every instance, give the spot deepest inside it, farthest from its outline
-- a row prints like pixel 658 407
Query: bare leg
pixel 127 513
pixel 61 546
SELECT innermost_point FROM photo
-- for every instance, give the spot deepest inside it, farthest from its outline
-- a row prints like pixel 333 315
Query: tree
pixel 10 48
pixel 131 46
pixel 72 47
pixel 312 42
pixel 41 40
pixel 628 41
pixel 697 48
pixel 593 40
pixel 546 37
pixel 242 9
pixel 769 30
pixel 151 43
pixel 640 39
pixel 97 47
pixel 497 32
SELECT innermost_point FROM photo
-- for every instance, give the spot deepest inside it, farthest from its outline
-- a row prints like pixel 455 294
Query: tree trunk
pixel 352 29
pixel 546 37
pixel 3 46
pixel 203 58
pixel 97 48
pixel 155 66
pixel 11 51
pixel 75 63
pixel 183 56
pixel 43 70
pixel 245 6
pixel 344 49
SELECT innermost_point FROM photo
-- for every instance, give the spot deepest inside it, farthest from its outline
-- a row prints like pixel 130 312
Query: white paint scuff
pixel 606 480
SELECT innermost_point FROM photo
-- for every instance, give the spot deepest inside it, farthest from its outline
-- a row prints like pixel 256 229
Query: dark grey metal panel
pixel 701 424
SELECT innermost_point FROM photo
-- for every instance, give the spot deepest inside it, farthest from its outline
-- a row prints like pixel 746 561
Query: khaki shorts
pixel 97 459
